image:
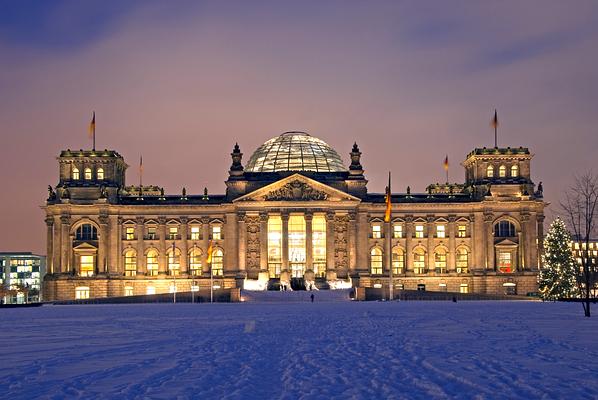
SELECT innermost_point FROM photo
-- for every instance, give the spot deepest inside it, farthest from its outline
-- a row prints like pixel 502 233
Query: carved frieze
pixel 295 190
pixel 341 225
pixel 252 223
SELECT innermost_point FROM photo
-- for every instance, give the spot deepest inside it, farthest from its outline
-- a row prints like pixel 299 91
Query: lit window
pixel 195 234
pixel 173 232
pixel 151 233
pixel 510 288
pixel 440 261
pixel 490 171
pixel 129 291
pixel 462 231
pixel 76 173
pixel 86 232
pixel 195 261
pixel 87 173
pixel 319 245
pixel 216 233
pixel 514 171
pixel 442 287
pixel 150 290
pixel 398 261
pixel 376 261
pixel 217 262
pixel 440 231
pixel 151 262
pixel 464 288
pixel 502 171
pixel 419 231
pixel 130 232
pixel 174 261
pixel 274 246
pixel 504 261
pixel 130 263
pixel 419 263
pixel 462 261
pixel 297 244
pixel 376 231
pixel 82 292
pixel 86 265
pixel 100 174
pixel 397 231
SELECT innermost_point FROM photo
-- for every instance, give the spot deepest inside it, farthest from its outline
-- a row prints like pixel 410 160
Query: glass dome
pixel 295 151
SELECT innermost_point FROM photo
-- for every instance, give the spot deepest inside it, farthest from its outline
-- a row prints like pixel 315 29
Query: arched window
pixel 462 260
pixel 514 171
pixel 151 262
pixel 130 263
pixel 504 229
pixel 502 171
pixel 217 262
pixel 100 174
pixel 440 260
pixel 87 173
pixel 75 173
pixel 419 263
pixel 490 171
pixel 376 261
pixel 398 261
pixel 174 261
pixel 195 261
pixel 86 232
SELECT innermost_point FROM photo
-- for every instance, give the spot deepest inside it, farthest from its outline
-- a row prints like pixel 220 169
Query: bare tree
pixel 580 206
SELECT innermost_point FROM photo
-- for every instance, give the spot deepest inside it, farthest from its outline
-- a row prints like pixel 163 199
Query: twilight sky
pixel 180 82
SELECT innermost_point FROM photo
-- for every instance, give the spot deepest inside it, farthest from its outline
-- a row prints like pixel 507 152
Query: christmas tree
pixel 557 278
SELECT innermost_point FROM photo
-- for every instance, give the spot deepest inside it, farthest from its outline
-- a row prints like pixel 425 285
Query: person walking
pixel 312 297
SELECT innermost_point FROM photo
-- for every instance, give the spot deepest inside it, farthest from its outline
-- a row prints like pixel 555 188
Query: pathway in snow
pixel 415 350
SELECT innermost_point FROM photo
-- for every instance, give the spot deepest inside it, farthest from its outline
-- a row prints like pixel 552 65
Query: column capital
pixel 103 219
pixel 488 218
pixel 49 220
pixel 452 218
pixel 408 219
pixel 284 216
pixel 330 216
pixel 430 219
pixel 241 216
pixel 184 219
pixel 205 220
pixel 263 216
pixel 162 220
pixel 352 215
pixel 65 219
pixel 308 215
pixel 140 220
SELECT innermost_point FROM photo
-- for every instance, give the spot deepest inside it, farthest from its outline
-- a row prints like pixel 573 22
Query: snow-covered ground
pixel 415 350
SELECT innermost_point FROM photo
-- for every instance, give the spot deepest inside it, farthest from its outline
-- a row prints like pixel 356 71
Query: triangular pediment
pixel 506 243
pixel 85 247
pixel 297 188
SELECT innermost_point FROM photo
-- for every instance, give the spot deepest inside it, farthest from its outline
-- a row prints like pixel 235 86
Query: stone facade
pixel 107 239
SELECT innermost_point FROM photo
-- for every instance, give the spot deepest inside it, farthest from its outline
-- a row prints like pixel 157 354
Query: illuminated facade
pixel 293 213
pixel 21 276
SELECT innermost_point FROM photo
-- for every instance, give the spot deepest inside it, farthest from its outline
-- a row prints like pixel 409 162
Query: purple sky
pixel 181 82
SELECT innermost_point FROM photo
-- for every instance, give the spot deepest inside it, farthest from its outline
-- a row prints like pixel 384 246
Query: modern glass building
pixel 294 212
pixel 21 276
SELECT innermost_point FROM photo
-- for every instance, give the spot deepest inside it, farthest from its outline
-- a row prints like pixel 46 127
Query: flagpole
pixel 495 129
pixel 389 243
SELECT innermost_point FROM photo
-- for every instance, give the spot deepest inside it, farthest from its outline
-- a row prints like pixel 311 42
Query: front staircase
pixel 296 296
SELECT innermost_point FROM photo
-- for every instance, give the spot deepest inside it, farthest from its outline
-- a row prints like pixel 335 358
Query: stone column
pixel 352 242
pixel 162 259
pixel 451 244
pixel 285 241
pixel 104 240
pixel 242 240
pixel 49 245
pixel 205 243
pixel 362 240
pixel 118 267
pixel 231 251
pixel 57 242
pixel 330 267
pixel 488 218
pixel 65 221
pixel 408 239
pixel 431 265
pixel 184 245
pixel 524 242
pixel 139 227
pixel 264 242
pixel 540 228
pixel 309 244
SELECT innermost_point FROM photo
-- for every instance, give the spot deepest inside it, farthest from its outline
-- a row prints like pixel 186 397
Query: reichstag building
pixel 295 214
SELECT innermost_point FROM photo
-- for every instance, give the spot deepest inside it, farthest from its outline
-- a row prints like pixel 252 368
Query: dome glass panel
pixel 295 151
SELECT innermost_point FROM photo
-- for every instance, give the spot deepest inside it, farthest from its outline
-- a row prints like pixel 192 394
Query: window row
pixel 87 174
pixel 419 261
pixel 172 233
pixel 419 231
pixel 502 171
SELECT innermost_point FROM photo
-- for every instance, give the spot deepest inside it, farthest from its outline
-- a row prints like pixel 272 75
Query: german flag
pixel 446 163
pixel 92 126
pixel 210 251
pixel 387 200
